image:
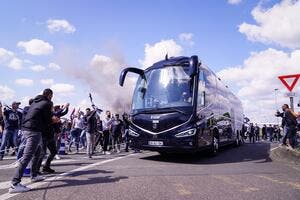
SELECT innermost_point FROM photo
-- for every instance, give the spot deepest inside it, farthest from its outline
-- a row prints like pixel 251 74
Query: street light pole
pixel 276 106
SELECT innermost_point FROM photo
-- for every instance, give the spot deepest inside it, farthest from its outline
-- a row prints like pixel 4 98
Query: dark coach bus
pixel 180 105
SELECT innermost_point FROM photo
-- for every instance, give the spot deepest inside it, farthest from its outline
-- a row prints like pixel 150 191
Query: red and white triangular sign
pixel 290 86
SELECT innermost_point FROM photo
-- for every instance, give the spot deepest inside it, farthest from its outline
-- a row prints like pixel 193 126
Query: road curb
pixel 285 155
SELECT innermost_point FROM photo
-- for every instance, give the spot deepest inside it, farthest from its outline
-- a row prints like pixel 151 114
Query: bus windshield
pixel 166 87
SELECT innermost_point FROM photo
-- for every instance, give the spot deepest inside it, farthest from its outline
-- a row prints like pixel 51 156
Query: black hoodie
pixel 38 117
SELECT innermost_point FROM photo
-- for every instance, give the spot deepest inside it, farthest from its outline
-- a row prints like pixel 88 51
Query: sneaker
pixel 57 157
pixel 37 178
pixel 107 153
pixel 18 188
pixel 48 170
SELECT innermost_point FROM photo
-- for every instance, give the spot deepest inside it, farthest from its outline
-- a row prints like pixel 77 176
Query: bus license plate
pixel 155 143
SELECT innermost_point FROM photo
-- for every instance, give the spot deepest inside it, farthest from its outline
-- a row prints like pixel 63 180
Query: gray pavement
pixel 246 172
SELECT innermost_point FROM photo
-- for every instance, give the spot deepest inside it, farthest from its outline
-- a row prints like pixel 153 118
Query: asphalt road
pixel 240 173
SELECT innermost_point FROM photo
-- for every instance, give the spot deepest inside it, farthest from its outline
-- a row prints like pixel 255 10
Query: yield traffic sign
pixel 290 86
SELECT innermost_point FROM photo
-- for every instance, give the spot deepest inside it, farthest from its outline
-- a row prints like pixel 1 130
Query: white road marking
pixel 38 184
pixel 4 185
pixel 12 165
pixel 274 148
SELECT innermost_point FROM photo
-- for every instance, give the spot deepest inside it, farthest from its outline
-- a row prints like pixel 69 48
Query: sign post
pixel 290 87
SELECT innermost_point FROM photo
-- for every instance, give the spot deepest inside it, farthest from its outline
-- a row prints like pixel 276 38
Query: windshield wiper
pixel 176 110
pixel 160 110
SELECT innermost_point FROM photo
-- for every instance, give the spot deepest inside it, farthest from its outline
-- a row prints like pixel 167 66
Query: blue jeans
pixel 83 138
pixel 75 137
pixel 7 136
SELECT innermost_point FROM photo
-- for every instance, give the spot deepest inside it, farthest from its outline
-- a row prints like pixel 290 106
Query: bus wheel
pixel 215 146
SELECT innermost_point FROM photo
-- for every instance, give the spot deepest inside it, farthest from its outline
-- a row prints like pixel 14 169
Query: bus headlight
pixel 133 133
pixel 187 133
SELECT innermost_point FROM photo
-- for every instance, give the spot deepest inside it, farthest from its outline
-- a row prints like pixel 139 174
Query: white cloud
pixel 16 64
pixel 63 89
pixel 36 47
pixel 24 82
pixel 38 68
pixel 5 55
pixel 187 38
pixel 9 59
pixel 256 79
pixel 6 93
pixel 57 25
pixel 234 2
pixel 54 66
pixel 157 51
pixel 47 81
pixel 278 24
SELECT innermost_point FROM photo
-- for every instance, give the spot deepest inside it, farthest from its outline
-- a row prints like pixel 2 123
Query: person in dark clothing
pixel 126 123
pixel 251 133
pixel 49 141
pixel 99 134
pixel 256 132
pixel 116 130
pixel 36 121
pixel 297 116
pixel 289 124
pixel 264 132
pixel 270 131
pixel 90 130
pixel 276 136
pixel 12 124
pixel 1 123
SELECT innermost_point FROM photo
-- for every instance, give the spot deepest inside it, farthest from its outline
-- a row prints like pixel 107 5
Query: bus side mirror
pixel 130 69
pixel 194 63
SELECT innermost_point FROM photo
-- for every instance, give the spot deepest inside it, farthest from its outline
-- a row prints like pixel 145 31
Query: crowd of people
pixel 269 132
pixel 30 132
pixel 41 127
pixel 286 133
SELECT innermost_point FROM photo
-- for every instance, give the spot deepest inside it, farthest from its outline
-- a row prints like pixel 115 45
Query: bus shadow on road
pixel 69 180
pixel 258 153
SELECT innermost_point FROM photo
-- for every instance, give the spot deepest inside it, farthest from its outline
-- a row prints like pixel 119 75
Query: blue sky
pixel 123 27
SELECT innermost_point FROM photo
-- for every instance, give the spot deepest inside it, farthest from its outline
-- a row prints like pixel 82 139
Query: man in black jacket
pixel 37 120
pixel 289 124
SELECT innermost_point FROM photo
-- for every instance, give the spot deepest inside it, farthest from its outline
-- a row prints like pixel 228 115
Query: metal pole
pixel 276 105
pixel 292 103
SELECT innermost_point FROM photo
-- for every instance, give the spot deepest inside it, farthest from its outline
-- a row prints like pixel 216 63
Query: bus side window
pixel 201 89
